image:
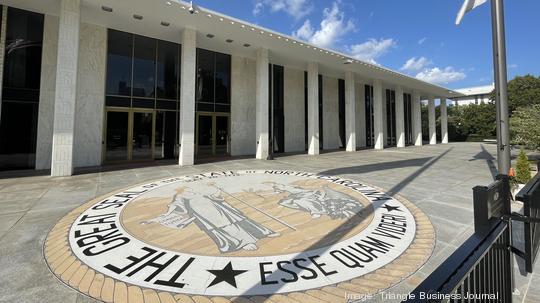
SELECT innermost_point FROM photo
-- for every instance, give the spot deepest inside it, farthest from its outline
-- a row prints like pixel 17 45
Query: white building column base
pixel 432 122
pixel 66 88
pixel 313 108
pixel 350 112
pixel 187 98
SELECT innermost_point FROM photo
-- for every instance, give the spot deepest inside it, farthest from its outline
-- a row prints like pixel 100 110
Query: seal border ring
pixel 69 270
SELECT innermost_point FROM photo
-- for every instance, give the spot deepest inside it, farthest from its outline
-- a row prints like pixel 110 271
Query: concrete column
pixel 360 115
pixel 66 88
pixel 431 120
pixel 350 112
pixel 2 51
pixel 313 108
pixel 261 100
pixel 444 121
pixel 417 119
pixel 187 97
pixel 400 117
pixel 378 113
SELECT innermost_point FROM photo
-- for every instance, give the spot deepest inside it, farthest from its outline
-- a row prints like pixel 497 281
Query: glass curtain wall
pixel 144 74
pixel 321 120
pixel 341 104
pixel 370 122
pixel 391 117
pixel 212 92
pixel 407 98
pixel 20 93
pixel 276 99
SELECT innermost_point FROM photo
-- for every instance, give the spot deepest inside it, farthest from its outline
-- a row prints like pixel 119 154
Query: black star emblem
pixel 391 208
pixel 226 274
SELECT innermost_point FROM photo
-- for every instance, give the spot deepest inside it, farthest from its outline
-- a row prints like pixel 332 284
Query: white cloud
pixel 371 49
pixel 295 8
pixel 512 66
pixel 441 76
pixel 414 64
pixel 332 28
pixel 421 41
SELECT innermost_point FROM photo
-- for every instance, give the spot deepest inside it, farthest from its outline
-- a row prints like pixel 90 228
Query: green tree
pixel 522 91
pixel 525 126
pixel 523 169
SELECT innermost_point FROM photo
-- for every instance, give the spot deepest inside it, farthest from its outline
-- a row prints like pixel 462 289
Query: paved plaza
pixel 436 180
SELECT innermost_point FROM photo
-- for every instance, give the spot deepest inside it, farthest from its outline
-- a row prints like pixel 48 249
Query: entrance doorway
pixel 129 135
pixel 212 135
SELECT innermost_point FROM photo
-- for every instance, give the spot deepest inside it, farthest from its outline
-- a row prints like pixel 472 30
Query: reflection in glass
pixel 117 136
pixel 20 93
pixel 144 67
pixel 165 135
pixel 167 70
pixel 142 136
pixel 205 76
pixel 119 60
pixel 204 136
pixel 222 80
pixel 222 135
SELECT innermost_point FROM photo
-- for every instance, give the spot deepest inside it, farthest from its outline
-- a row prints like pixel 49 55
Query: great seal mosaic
pixel 253 234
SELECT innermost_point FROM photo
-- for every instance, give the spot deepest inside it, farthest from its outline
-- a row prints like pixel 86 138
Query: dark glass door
pixel 142 136
pixel 222 135
pixel 116 148
pixel 204 135
pixel 391 117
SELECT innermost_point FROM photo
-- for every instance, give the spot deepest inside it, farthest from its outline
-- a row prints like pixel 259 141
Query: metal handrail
pixel 455 269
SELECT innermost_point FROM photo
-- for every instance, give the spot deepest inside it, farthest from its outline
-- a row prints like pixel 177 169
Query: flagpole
pixel 501 86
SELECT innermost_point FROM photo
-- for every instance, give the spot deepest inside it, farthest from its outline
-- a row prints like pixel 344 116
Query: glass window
pixel 223 81
pixel 24 39
pixel 119 61
pixel 167 70
pixel 144 67
pixel 205 76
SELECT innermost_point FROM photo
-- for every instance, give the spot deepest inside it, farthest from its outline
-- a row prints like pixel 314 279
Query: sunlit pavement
pixel 437 179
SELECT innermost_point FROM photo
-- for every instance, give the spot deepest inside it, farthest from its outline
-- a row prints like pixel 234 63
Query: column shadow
pixel 336 234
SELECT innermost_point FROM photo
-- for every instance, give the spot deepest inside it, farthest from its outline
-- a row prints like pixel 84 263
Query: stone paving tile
pixel 438 179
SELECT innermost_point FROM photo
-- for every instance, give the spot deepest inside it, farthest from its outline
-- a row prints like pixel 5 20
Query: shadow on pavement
pixel 336 234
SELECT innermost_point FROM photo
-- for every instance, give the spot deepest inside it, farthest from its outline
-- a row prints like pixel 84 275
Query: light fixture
pixel 210 36
pixel 165 23
pixel 348 61
pixel 247 45
pixel 229 40
pixel 107 9
pixel 169 3
pixel 138 17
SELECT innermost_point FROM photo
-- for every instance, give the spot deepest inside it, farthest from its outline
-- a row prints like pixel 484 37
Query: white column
pixel 431 121
pixel 313 108
pixel 417 119
pixel 378 127
pixel 350 111
pixel 2 51
pixel 187 97
pixel 444 121
pixel 261 101
pixel 400 117
pixel 360 115
pixel 66 88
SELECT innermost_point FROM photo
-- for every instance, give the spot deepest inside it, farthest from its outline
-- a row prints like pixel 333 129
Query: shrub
pixel 523 168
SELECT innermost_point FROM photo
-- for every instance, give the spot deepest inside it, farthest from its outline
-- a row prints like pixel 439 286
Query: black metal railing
pixel 530 196
pixel 482 269
pixel 479 271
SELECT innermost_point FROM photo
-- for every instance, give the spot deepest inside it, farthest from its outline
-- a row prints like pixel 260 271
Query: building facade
pixel 474 95
pixel 88 83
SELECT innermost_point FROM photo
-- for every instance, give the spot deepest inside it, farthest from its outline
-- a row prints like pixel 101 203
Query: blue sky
pixel 416 37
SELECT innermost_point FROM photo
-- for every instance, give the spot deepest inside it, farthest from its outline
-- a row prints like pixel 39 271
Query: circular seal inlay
pixel 254 233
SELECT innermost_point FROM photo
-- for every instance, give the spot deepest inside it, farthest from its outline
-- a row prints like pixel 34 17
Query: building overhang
pixel 165 19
